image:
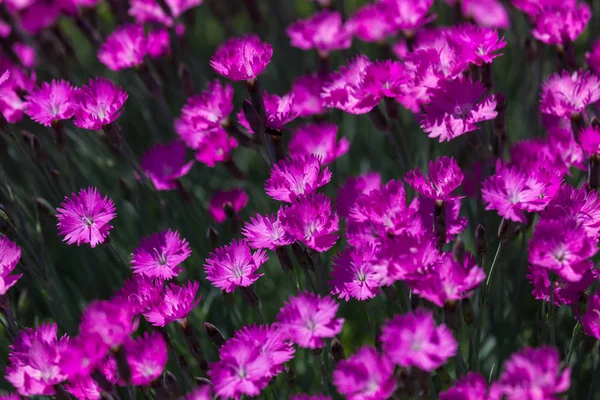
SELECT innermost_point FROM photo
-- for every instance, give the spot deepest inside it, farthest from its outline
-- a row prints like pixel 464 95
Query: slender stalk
pixel 552 315
pixel 489 278
pixel 576 330
pixel 322 371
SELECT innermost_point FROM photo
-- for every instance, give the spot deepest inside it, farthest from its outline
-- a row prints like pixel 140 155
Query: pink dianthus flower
pixel 266 232
pixel 279 110
pixel 98 104
pixel 147 356
pixel 10 254
pixel 320 140
pixel 174 304
pixel 566 95
pixel 124 48
pixel 160 255
pixel 50 103
pixel 443 178
pixel 242 58
pixel 323 31
pixel 307 96
pixel 354 274
pixel 164 164
pixel 297 177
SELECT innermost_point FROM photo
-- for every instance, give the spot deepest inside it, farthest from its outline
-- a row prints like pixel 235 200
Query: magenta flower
pixel 589 138
pixel 9 396
pixel 204 392
pixel 234 265
pixel 471 387
pixel 558 24
pixel 486 13
pixel 565 95
pixel 278 112
pixel 85 387
pixel 147 356
pixel 10 254
pixel 141 292
pixel 174 304
pixel 561 246
pixel 370 23
pixel 308 318
pixel 81 356
pixel 407 15
pixel 160 255
pixel 110 321
pixel 236 199
pixel 351 190
pixel 159 43
pixel 271 342
pixel 98 104
pixel 307 96
pixel 591 319
pixel 323 31
pixel 320 140
pixel 565 292
pixel 476 45
pixel 511 191
pixel 124 48
pixel 215 147
pixel 448 280
pixel 34 361
pixel 443 178
pixel 242 58
pixel 455 109
pixel 414 340
pixel 343 90
pixel 164 164
pixel 149 11
pixel 366 375
pixel 25 53
pixel 592 57
pixel 312 221
pixel 50 103
pixel 85 217
pixel 242 369
pixel 204 112
pixel 579 205
pixel 297 177
pixel 354 274
pixel 266 232
pixel 532 374
pixel 383 79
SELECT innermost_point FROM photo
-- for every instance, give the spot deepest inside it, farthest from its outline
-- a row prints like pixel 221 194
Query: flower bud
pixel 379 120
pixel 458 250
pixel 467 310
pixel 213 237
pixel 481 241
pixel 284 259
pixel 215 336
pixel 337 351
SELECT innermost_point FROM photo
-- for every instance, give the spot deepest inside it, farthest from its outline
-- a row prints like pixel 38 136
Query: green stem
pixel 576 330
pixel 322 372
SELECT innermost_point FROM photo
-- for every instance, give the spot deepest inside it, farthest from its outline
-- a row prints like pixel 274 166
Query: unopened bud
pixel 215 336
pixel 337 351
pixel 249 296
pixel 458 250
pixel 379 120
pixel 252 116
pixel 213 237
pixel 481 241
pixel 284 258
pixel 467 310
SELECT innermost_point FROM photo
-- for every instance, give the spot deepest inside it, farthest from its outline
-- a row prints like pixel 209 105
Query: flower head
pixel 323 31
pixel 279 110
pixel 242 58
pixel 455 109
pixel 369 23
pixel 351 190
pixel 366 375
pixel 561 246
pixel 85 387
pixel 160 254
pixel 81 356
pixel 85 217
pixel 98 104
pixel 307 96
pixel 471 387
pixel 144 11
pixel 234 265
pixel 271 342
pixel 576 204
pixel 593 57
pixel 354 274
pixel 34 361
pixel 147 356
pixel 110 321
pixel 204 112
pixel 320 140
pixel 443 178
pixel 486 13
pixel 312 221
pixel 50 103
pixel 532 374
pixel 10 254
pixel 383 79
pixel 476 45
pixel 565 292
pixel 407 15
pixel 565 94
pixel 343 90
pixel 591 319
pixel 414 340
pixel 297 177
pixel 141 292
pixel 511 191
pixel 589 138
pixel 174 304
pixel 236 199
pixel 124 48
pixel 266 232
pixel 215 147
pixel 165 163
pixel 560 24
pixel 159 43
pixel 308 318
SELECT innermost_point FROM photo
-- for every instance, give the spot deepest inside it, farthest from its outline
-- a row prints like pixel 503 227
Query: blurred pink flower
pixel 589 138
pixel 215 147
pixel 124 48
pixel 354 274
pixel 486 13
pixel 293 178
pixel 443 178
pixel 81 356
pixel 50 103
pixel 592 57
pixel 159 255
pixel 455 109
pixel 370 23
pixel 591 319
pixel 147 356
pixel 279 110
pixel 408 15
pixel 323 31
pixel 532 374
pixel 204 392
pixel 10 254
pixel 271 342
pixel 85 217
pixel 318 139
pixel 351 190
pixel 158 43
pixel 236 199
pixel 34 361
pixel 565 292
pixel 308 318
pixel 234 265
pixel 366 375
pixel 580 205
pixel 141 292
pixel 98 104
pixel 414 340
pixel 164 164
pixel 560 24
pixel 110 321
pixel 565 94
pixel 84 387
pixel 144 11
pixel 473 386
pixel 312 221
pixel 242 58
pixel 25 53
pixel 307 96
pixel 266 232
pixel 343 89
pixel 476 45
pixel 174 304
pixel 40 16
